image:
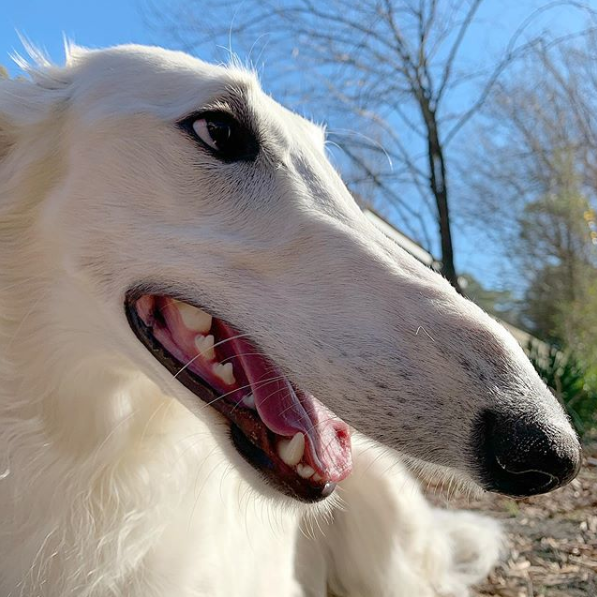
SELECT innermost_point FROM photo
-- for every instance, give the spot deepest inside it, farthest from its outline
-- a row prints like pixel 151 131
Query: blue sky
pixel 108 22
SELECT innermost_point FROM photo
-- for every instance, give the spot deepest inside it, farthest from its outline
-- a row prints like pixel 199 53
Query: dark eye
pixel 223 135
pixel 215 133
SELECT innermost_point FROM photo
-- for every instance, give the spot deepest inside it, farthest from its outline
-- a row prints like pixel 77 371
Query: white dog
pixel 185 282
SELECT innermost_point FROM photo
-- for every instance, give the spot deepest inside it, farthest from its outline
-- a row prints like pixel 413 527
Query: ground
pixel 552 539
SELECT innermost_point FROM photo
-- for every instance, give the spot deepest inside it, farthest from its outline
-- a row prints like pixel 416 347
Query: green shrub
pixel 573 382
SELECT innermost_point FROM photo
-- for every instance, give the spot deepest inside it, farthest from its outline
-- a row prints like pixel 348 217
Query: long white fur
pixel 114 480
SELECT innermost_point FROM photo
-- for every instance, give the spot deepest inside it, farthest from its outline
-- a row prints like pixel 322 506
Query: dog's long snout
pixel 523 458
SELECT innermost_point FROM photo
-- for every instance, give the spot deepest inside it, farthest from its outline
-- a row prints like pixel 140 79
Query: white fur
pixel 115 481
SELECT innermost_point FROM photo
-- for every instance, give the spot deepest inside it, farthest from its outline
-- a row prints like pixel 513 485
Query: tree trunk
pixel 437 182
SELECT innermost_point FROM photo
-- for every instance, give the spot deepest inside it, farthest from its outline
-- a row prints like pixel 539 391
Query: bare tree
pixel 535 185
pixel 536 138
pixel 394 65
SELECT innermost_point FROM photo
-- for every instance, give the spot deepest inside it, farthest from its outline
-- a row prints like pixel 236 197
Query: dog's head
pixel 183 215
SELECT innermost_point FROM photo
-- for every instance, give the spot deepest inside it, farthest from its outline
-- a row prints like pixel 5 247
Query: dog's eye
pixel 215 133
pixel 223 135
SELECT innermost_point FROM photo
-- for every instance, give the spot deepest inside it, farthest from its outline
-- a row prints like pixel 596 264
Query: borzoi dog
pixel 196 325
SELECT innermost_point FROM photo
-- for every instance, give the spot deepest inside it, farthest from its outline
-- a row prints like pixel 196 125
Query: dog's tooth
pixel 205 346
pixel 249 401
pixel 291 450
pixel 305 471
pixel 194 319
pixel 317 477
pixel 225 373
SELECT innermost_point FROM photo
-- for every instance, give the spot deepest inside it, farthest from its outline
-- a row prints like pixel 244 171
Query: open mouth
pixel 281 430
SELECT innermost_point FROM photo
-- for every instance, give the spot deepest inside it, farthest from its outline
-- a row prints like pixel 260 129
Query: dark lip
pixel 254 442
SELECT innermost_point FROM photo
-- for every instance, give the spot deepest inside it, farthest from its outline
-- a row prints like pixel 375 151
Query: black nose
pixel 522 458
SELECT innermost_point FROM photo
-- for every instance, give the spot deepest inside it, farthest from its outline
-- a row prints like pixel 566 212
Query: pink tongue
pixel 286 413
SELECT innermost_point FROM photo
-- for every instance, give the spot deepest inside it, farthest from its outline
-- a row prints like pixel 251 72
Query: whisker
pixel 269 395
pixel 243 354
pixel 348 132
pixel 261 384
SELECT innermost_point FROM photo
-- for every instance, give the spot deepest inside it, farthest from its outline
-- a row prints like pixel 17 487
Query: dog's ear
pixel 26 103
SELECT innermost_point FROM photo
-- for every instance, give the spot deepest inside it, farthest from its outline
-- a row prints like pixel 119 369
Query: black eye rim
pixel 243 145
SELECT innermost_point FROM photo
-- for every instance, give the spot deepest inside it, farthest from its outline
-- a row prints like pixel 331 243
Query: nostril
pixel 521 458
pixel 541 481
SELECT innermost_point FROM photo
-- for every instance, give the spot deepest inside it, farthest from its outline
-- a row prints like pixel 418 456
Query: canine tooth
pixel 305 471
pixel 317 477
pixel 249 401
pixel 225 373
pixel 193 318
pixel 205 346
pixel 291 450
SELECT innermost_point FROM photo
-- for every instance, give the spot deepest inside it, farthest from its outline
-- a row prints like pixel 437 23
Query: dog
pixel 214 367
